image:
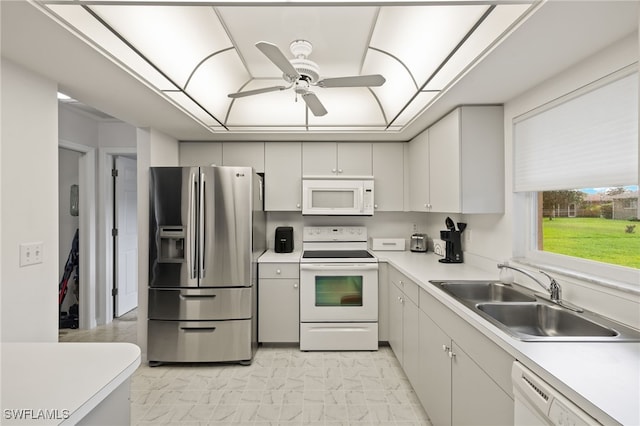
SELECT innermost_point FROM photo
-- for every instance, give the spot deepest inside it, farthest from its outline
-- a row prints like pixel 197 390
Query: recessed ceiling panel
pixel 210 84
pixel 399 87
pixel 348 107
pixel 174 38
pixel 419 103
pixel 339 35
pixel 82 21
pixel 422 37
pixel 500 19
pixel 267 109
pixel 194 109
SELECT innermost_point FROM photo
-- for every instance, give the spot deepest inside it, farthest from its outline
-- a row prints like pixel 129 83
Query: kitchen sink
pixel 485 291
pixel 527 316
pixel 541 319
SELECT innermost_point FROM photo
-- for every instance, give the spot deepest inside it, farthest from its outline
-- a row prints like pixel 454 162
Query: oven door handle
pixel 342 266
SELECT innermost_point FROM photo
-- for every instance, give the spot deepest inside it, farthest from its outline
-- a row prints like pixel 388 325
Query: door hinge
pixel 114 232
pixel 114 292
pixel 114 172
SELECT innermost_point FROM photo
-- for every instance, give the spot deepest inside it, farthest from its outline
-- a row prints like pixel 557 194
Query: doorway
pixel 125 236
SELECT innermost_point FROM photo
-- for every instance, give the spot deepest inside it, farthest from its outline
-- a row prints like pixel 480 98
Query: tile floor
pixel 283 386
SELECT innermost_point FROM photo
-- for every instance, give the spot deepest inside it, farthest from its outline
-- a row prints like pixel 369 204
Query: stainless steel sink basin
pixel 540 319
pixel 485 291
pixel 529 317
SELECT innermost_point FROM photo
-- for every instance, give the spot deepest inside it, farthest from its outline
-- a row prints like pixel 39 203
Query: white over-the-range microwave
pixel 322 195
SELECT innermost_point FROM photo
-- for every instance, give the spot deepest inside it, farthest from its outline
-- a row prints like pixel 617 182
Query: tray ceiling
pixel 196 53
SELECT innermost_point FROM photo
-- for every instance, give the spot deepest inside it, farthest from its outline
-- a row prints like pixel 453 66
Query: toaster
pixel 418 242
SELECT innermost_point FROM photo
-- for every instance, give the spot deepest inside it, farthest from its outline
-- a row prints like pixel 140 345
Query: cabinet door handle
pixel 278 271
pixel 375 206
pixel 333 170
pixel 339 170
pixel 445 348
pixel 295 285
pixel 298 205
pixel 452 354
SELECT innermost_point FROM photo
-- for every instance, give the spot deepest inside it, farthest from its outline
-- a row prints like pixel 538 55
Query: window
pixel 576 170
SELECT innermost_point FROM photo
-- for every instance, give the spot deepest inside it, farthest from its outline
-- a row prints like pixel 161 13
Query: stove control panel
pixel 334 233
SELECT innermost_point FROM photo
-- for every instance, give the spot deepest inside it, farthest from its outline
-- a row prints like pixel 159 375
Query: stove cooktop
pixel 336 254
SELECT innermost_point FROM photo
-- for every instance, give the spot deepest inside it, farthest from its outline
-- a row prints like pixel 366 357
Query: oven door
pixel 338 292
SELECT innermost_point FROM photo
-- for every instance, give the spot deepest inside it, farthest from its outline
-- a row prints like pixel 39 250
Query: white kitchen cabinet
pixel 336 159
pixel 434 386
pixel 461 161
pixel 283 173
pixel 403 323
pixel 279 302
pixel 388 173
pixel 419 177
pixel 200 153
pixel 246 154
pixel 463 376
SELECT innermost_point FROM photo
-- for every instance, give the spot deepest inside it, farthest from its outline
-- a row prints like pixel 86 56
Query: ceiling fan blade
pixel 314 104
pixel 373 80
pixel 276 56
pixel 256 91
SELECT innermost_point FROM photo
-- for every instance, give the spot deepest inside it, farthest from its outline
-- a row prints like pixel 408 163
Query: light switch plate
pixel 30 253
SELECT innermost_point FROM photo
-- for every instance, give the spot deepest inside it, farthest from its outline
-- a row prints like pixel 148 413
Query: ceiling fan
pixel 302 73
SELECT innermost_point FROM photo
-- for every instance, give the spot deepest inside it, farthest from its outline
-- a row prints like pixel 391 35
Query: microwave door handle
pixel 361 199
pixel 202 226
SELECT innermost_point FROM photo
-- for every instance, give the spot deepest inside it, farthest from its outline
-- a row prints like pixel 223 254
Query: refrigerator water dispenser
pixel 171 244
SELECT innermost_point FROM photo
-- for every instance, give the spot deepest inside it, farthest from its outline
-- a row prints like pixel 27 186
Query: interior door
pixel 126 274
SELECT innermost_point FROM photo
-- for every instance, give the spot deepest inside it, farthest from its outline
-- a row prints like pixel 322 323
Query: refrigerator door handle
pixel 198 329
pixel 193 216
pixel 203 227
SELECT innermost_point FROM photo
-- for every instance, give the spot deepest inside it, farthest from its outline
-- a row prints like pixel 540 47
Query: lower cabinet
pixel 460 376
pixel 403 322
pixel 279 302
pixel 455 386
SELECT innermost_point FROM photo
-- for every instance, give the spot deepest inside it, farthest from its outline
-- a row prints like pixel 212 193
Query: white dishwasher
pixel 537 403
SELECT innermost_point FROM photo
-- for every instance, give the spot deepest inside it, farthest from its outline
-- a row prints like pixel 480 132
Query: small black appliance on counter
pixel 453 240
pixel 284 239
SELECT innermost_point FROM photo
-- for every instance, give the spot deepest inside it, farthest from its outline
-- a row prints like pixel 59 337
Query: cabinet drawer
pixel 200 304
pixel 408 287
pixel 199 341
pixel 278 270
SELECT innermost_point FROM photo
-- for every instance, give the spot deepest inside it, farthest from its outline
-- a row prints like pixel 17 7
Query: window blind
pixel 590 140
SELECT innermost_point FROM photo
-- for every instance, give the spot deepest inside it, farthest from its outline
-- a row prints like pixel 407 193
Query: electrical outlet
pixel 467 234
pixel 30 253
pixel 415 227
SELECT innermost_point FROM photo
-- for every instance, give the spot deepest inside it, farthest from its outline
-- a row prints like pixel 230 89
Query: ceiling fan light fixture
pixel 308 69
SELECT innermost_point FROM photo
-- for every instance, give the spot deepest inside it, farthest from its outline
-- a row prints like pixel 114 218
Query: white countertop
pixel 271 256
pixel 602 378
pixel 72 378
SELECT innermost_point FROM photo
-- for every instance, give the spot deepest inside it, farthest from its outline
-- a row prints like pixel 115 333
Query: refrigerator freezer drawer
pixel 200 304
pixel 199 341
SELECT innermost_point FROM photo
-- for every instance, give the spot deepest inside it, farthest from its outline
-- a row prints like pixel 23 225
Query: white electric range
pixel 338 290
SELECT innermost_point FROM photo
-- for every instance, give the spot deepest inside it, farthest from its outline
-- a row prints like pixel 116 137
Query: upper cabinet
pixel 283 176
pixel 246 154
pixel 419 176
pixel 337 159
pixel 200 153
pixel 388 173
pixel 461 159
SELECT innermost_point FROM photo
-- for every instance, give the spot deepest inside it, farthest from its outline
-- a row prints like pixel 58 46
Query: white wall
pixel 154 149
pixel 493 236
pixel 29 194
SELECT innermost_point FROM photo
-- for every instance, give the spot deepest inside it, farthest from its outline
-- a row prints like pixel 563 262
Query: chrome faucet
pixel 554 289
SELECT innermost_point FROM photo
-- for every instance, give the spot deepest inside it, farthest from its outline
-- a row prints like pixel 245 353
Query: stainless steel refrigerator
pixel 207 230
